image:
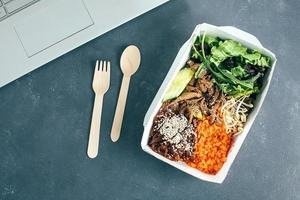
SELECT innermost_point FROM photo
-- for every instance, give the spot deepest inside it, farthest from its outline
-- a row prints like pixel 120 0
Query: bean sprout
pixel 235 112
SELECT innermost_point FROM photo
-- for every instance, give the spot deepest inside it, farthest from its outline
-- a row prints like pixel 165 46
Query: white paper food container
pixel 225 32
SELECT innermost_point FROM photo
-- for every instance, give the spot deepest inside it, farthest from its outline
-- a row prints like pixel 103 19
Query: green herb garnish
pixel 235 68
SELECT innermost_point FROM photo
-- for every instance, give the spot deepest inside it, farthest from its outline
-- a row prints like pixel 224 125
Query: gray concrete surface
pixel 45 115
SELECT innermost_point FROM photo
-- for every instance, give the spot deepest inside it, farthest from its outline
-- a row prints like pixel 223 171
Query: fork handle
pixel 93 144
pixel 118 119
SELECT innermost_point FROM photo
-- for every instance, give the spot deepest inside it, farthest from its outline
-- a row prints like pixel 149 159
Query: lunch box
pixel 224 32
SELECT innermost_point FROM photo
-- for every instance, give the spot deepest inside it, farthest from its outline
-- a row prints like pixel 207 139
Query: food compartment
pixel 208 101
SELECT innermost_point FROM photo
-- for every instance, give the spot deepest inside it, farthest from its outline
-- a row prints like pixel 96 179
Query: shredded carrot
pixel 212 147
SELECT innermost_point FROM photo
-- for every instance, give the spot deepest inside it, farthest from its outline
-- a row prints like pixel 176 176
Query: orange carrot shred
pixel 212 147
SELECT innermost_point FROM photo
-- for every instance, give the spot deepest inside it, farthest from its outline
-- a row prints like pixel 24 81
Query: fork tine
pixel 108 67
pixel 96 69
pixel 101 65
pixel 104 66
pixel 97 66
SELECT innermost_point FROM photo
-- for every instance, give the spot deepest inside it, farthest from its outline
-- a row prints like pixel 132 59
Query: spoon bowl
pixel 130 60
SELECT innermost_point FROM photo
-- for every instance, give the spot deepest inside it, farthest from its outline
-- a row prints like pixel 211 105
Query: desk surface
pixel 45 115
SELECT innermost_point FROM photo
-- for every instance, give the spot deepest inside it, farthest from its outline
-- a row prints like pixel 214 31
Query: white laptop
pixel 33 32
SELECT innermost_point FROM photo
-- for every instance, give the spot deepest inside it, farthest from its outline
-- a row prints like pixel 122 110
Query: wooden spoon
pixel 130 62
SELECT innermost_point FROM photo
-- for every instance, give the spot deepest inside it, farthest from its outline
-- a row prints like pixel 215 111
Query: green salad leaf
pixel 238 72
pixel 234 67
pixel 230 48
pixel 211 41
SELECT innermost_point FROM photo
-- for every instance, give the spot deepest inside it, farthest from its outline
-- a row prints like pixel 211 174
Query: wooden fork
pixel 100 87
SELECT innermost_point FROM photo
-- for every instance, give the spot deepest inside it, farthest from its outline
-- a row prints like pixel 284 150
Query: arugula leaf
pixel 254 60
pixel 246 83
pixel 255 90
pixel 231 75
pixel 195 53
pixel 236 91
pixel 238 72
pixel 218 75
pixel 218 56
pixel 230 48
pixel 210 40
pixel 197 47
pixel 251 57
pixel 226 88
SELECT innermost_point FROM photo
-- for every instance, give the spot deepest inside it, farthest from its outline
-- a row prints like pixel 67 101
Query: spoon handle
pixel 117 124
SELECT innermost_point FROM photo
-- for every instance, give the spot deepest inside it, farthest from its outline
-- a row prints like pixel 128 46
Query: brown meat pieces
pixel 172 136
pixel 194 66
pixel 205 84
pixel 185 96
pixel 200 97
pixel 173 131
pixel 213 97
